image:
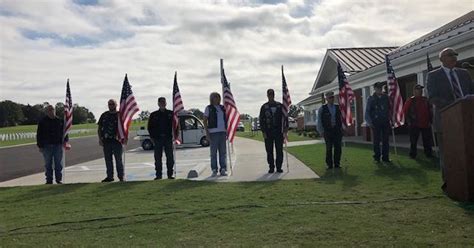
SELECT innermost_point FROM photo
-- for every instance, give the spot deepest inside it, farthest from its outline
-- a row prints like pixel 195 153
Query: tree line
pixel 13 114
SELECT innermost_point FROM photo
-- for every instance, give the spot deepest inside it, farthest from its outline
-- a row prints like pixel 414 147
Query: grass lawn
pixel 363 204
pixel 257 135
pixel 92 127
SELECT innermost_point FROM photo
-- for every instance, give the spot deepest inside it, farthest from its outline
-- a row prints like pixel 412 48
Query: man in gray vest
pixel 445 85
pixel 329 126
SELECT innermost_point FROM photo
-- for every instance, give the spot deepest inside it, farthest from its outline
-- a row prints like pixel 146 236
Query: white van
pixel 192 132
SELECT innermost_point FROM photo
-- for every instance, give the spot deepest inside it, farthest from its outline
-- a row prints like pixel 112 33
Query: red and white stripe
pixel 178 106
pixel 396 101
pixel 286 102
pixel 346 97
pixel 231 112
pixel 128 108
pixel 68 108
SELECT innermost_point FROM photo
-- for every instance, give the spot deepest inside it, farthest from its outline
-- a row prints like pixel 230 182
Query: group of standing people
pixel 160 127
pixel 444 85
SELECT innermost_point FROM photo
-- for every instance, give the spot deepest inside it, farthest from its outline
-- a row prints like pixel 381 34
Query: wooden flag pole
pixel 174 159
pixel 63 163
pixel 230 157
pixel 124 151
pixel 286 151
pixel 394 142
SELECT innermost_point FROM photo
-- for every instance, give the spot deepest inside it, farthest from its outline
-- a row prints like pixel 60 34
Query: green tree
pixel 10 114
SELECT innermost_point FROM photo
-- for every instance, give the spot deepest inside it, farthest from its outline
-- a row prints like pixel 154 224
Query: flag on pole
pixel 177 107
pixel 346 97
pixel 396 101
pixel 67 117
pixel 428 63
pixel 286 101
pixel 231 112
pixel 128 107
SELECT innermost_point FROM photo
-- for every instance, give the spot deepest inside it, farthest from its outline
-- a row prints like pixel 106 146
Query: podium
pixel 457 121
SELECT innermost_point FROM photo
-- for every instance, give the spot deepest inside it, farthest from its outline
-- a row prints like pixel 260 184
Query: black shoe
pixel 337 167
pixel 329 167
pixel 121 179
pixel 279 171
pixel 59 182
pixel 271 170
pixel 49 182
pixel 107 180
pixel 158 178
pixel 386 160
pixel 170 177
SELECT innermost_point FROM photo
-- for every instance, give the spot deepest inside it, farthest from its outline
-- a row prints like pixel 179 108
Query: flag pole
pixel 394 142
pixel 228 142
pixel 286 151
pixel 64 163
pixel 124 151
pixel 174 159
pixel 435 143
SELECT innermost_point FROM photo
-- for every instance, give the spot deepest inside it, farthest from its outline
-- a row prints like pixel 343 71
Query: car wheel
pixel 147 145
pixel 204 142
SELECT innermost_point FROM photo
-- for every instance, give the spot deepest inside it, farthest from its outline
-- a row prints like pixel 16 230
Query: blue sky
pixel 95 42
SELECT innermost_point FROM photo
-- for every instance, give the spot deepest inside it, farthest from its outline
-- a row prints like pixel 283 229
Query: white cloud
pixel 45 42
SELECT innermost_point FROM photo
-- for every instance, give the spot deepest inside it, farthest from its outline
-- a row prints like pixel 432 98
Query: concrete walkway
pixel 250 164
pixel 248 160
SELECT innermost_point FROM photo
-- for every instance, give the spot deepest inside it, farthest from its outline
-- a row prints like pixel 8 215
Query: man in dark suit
pixel 445 85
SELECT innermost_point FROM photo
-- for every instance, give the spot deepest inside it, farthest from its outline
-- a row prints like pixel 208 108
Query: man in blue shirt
pixel 329 126
pixel 378 118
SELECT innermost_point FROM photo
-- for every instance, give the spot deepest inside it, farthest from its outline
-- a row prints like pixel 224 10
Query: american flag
pixel 177 107
pixel 396 101
pixel 67 116
pixel 346 96
pixel 231 112
pixel 286 105
pixel 428 63
pixel 128 107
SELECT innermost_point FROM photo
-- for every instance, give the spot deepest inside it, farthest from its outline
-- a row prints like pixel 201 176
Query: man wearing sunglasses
pixel 445 85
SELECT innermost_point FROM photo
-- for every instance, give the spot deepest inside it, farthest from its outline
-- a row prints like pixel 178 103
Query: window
pixel 188 123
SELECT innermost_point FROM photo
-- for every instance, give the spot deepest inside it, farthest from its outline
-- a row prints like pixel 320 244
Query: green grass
pixel 363 204
pixel 257 135
pixel 91 127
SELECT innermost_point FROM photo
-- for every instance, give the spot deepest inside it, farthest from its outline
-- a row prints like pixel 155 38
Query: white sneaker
pixel 223 173
pixel 214 173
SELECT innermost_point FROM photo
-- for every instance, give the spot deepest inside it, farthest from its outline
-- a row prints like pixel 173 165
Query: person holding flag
pixel 215 124
pixel 271 119
pixel 108 138
pixel 377 116
pixel 49 139
pixel 160 130
pixel 329 125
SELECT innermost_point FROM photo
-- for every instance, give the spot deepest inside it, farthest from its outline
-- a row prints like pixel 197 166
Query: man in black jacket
pixel 108 132
pixel 160 129
pixel 272 123
pixel 329 125
pixel 49 139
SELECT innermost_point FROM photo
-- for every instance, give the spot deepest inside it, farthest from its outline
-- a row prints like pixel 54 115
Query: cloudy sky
pixel 95 42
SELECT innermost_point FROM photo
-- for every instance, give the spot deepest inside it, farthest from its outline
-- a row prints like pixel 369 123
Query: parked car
pixel 292 123
pixel 241 127
pixel 256 125
pixel 192 132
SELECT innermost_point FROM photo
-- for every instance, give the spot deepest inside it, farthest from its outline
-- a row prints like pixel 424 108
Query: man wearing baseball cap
pixel 417 110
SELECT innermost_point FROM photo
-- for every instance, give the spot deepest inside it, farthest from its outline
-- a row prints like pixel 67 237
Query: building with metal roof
pixel 365 66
